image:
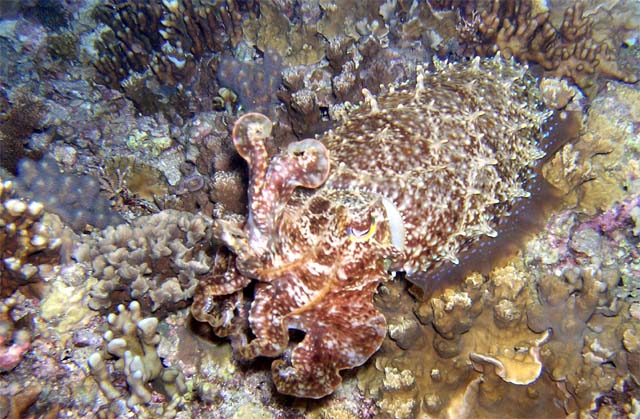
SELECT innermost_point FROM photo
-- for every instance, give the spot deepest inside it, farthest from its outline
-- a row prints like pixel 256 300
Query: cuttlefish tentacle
pixel 304 163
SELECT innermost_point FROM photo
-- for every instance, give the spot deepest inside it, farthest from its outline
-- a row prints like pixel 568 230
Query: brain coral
pixel 412 177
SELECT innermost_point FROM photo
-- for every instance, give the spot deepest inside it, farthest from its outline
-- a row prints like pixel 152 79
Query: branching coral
pixel 316 94
pixel 29 241
pixel 133 341
pixel 153 44
pixel 516 29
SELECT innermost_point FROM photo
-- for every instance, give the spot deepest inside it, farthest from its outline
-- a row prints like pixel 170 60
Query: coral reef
pixel 134 340
pixel 76 199
pixel 156 260
pixel 149 48
pixel 519 29
pixel 319 257
pixel 552 332
pixel 52 14
pixel 18 404
pixel 30 241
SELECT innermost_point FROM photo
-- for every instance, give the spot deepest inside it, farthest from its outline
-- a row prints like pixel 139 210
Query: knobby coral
pixel 30 241
pixel 410 180
pixel 156 260
pixel 134 340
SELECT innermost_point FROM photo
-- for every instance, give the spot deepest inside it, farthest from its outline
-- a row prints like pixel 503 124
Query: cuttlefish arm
pixel 316 263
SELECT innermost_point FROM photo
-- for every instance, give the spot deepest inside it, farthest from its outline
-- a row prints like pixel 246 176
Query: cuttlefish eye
pixel 363 231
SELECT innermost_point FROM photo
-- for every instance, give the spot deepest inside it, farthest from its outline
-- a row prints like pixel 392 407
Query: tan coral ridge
pixel 506 345
pixel 466 347
pixel 319 256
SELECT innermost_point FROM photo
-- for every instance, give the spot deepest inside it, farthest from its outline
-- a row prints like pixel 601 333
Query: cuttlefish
pixel 409 182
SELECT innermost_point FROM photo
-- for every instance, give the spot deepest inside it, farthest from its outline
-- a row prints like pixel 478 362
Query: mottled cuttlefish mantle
pixel 409 180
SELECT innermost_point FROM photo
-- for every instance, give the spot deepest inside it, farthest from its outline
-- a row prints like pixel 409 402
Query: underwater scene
pixel 325 209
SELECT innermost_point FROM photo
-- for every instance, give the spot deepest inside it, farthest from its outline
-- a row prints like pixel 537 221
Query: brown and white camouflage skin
pixel 407 182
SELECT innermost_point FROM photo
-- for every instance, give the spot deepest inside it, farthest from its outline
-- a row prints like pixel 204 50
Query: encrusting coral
pixel 319 256
pixel 133 341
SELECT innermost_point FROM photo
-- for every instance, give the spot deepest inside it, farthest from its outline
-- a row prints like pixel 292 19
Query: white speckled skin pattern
pixel 410 179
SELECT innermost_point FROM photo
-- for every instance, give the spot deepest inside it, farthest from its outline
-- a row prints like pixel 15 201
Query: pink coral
pixel 11 355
